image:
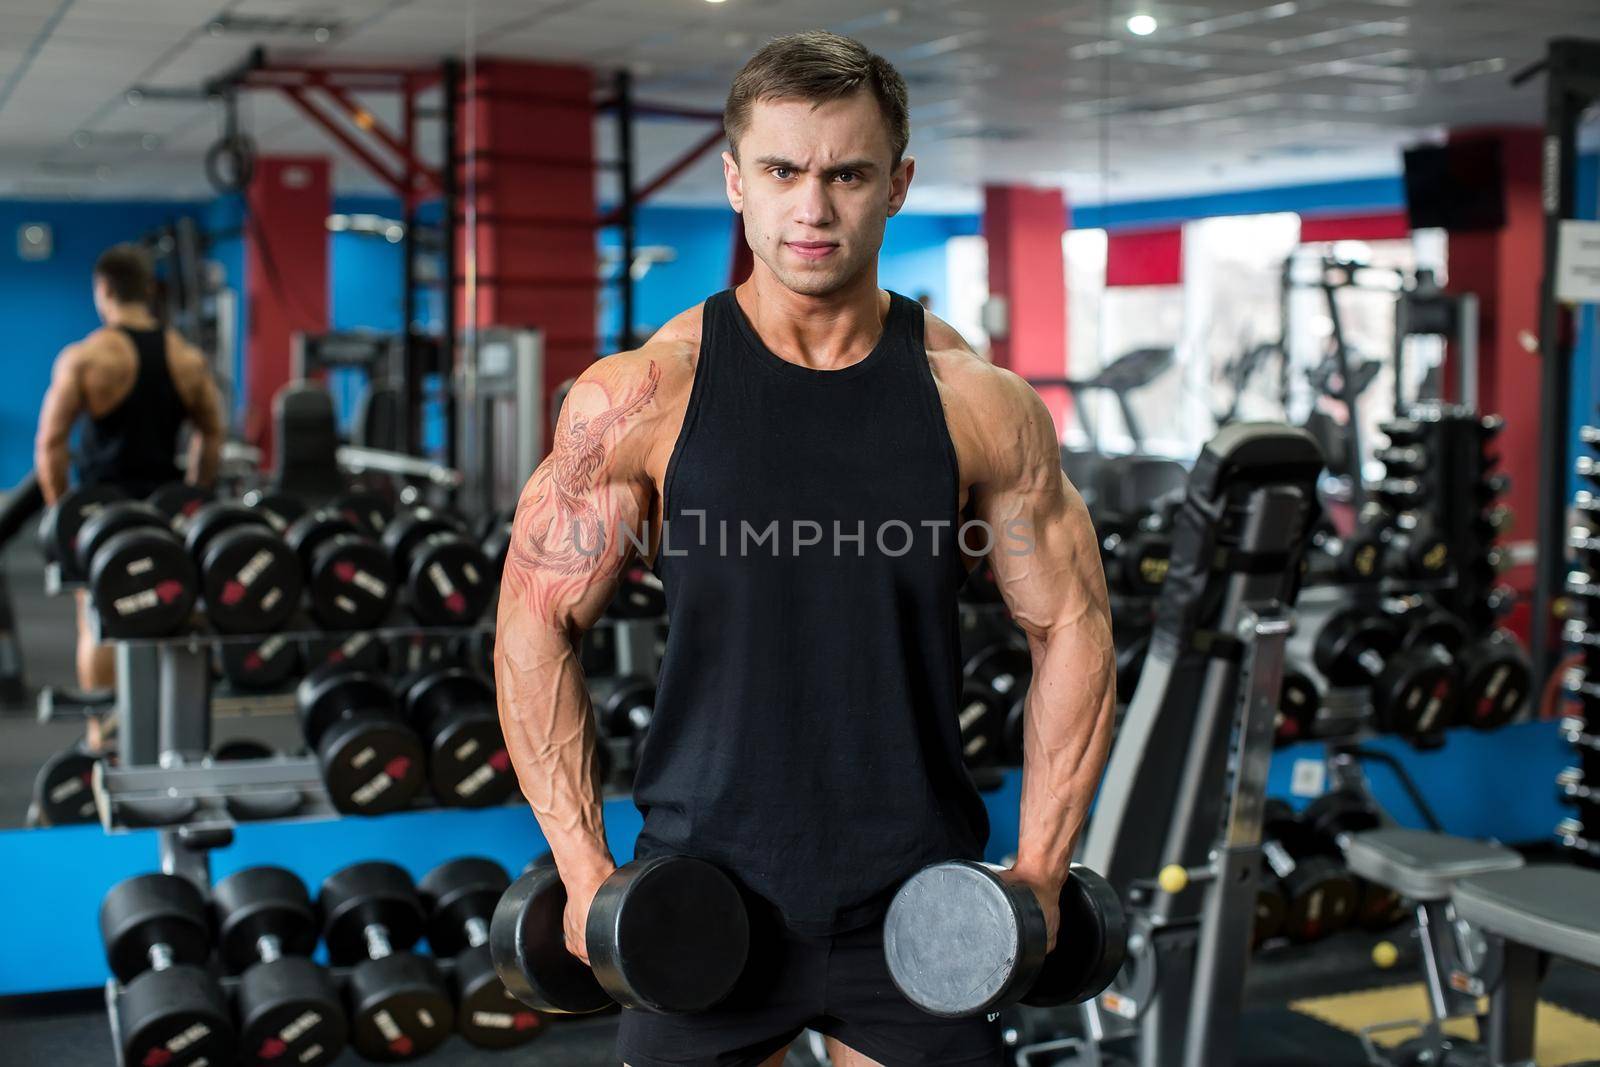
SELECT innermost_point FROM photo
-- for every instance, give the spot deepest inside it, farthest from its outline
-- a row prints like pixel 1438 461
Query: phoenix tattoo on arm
pixel 560 527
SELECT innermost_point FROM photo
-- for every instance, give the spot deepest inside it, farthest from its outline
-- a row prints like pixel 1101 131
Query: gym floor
pixel 1296 996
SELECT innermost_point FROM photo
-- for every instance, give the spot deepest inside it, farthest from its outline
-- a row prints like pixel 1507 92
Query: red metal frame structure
pixel 327 96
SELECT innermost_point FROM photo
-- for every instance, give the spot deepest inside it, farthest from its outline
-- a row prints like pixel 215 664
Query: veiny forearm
pixel 549 729
pixel 1066 737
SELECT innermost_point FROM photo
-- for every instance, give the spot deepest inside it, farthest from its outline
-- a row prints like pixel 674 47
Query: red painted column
pixel 529 144
pixel 286 275
pixel 1502 267
pixel 1023 228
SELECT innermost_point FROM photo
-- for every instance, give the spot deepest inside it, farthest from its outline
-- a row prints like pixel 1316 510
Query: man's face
pixel 815 188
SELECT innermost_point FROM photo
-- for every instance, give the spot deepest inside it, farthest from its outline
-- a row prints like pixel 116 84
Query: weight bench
pixel 1484 921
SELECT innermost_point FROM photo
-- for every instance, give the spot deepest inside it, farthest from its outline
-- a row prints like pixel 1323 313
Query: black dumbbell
pixel 259 665
pixel 58 529
pixel 1401 460
pixel 1496 678
pixel 448 580
pixel 180 502
pixel 349 581
pixel 460 897
pixel 623 707
pixel 141 580
pixel 668 934
pixel 453 710
pixel 960 940
pixel 260 803
pixel 360 651
pixel 372 762
pixel 288 1006
pixel 1357 556
pixel 1413 549
pixel 1320 892
pixel 170 1011
pixel 367 508
pixel 1413 691
pixel 250 578
pixel 282 507
pixel 63 790
pixel 397 1002
pixel 1334 817
pixel 1135 554
pixel 475 649
pixel 1298 704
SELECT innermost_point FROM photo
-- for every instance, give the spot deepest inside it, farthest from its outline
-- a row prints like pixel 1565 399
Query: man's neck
pixel 822 332
pixel 133 316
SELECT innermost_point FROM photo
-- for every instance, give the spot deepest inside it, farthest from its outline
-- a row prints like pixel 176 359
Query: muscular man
pixel 806 459
pixel 137 383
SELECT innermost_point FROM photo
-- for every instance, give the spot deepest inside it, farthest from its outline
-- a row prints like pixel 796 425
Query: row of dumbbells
pixel 1384 544
pixel 1306 892
pixel 1578 784
pixel 169 948
pixel 1438 462
pixel 1420 667
pixel 146 567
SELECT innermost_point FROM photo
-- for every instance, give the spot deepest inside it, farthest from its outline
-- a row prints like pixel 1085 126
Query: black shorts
pixel 836 985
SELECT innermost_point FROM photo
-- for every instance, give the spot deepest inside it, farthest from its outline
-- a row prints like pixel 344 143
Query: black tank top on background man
pixel 134 446
pixel 805 735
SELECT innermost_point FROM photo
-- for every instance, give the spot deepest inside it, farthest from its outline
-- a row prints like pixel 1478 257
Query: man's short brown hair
pixel 127 273
pixel 819 67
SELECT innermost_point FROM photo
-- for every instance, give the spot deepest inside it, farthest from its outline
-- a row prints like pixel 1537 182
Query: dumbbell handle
pixel 477 931
pixel 269 948
pixel 160 956
pixel 378 946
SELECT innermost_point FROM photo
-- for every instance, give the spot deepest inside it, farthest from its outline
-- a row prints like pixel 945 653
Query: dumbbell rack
pixel 1579 783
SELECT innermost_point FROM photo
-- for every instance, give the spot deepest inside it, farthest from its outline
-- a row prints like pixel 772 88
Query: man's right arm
pixel 569 541
pixel 62 402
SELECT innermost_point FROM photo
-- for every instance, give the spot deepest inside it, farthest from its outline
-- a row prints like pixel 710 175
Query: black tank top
pixel 134 446
pixel 805 737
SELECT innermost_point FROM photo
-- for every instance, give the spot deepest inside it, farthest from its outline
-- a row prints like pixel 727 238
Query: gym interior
pixel 1308 289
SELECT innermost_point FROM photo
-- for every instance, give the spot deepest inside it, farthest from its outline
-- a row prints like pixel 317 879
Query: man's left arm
pixel 1046 561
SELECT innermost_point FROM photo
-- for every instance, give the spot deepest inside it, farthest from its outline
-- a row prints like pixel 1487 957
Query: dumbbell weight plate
pixel 1271 909
pixel 351 583
pixel 1417 693
pixel 371 766
pixel 487 1014
pixel 668 935
pixel 142 584
pixel 250 581
pixel 63 790
pixel 179 502
pixel 402 535
pixel 175 1018
pixel 1497 682
pixel 1090 948
pixel 290 1013
pixel 449 580
pixel 150 909
pixel 399 1008
pixel 109 521
pixel 454 710
pixel 60 527
pixel 527 926
pixel 1321 896
pixel 259 665
pixel 475 650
